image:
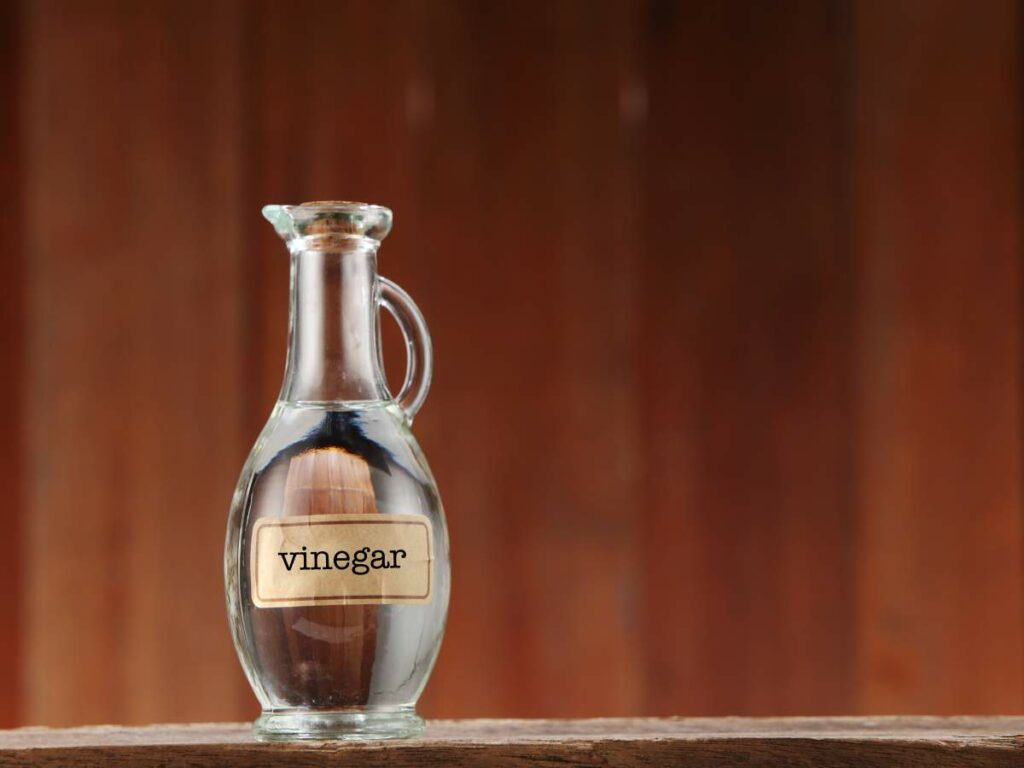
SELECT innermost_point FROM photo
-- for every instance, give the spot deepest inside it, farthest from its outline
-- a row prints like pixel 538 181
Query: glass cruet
pixel 336 556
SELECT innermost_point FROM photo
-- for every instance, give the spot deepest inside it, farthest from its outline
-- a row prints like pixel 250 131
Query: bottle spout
pixel 329 217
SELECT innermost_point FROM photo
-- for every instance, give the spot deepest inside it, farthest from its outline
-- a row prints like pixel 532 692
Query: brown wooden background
pixel 726 300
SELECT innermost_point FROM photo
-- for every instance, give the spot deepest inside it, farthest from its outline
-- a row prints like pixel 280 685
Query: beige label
pixel 341 560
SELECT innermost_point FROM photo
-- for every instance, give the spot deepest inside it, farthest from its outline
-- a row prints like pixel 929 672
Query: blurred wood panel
pixel 542 327
pixel 12 350
pixel 747 360
pixel 937 205
pixel 726 313
pixel 132 114
pixel 585 640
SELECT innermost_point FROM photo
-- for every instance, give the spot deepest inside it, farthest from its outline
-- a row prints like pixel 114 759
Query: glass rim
pixel 349 218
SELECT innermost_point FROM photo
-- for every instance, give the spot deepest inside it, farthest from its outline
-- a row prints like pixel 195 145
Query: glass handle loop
pixel 419 353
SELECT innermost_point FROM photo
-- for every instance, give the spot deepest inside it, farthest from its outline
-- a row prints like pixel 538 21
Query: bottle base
pixel 292 725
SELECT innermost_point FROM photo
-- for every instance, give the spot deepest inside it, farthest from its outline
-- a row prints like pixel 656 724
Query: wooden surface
pixel 748 483
pixel 837 742
pixel 939 248
pixel 13 330
pixel 12 348
pixel 726 305
pixel 136 384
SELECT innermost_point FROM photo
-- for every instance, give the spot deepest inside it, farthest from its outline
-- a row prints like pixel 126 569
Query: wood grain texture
pixel 13 329
pixel 543 269
pixel 938 249
pixel 839 742
pixel 726 308
pixel 747 435
pixel 135 371
pixel 577 536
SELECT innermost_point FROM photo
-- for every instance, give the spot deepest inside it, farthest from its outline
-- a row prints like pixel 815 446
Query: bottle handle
pixel 419 352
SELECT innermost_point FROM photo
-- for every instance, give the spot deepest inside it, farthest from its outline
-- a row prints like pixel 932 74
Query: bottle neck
pixel 333 336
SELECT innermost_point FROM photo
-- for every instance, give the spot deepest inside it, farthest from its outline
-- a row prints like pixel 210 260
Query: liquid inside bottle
pixel 337 659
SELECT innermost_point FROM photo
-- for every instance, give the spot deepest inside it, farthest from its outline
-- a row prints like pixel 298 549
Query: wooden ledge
pixel 878 741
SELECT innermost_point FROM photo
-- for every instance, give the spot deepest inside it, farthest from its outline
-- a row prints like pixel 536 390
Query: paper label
pixel 341 560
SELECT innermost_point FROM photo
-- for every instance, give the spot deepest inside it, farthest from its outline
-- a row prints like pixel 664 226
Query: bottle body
pixel 336 556
pixel 328 671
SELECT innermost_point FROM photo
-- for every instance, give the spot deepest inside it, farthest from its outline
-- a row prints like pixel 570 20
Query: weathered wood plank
pixel 13 354
pixel 824 402
pixel 747 357
pixel 893 742
pixel 134 359
pixel 937 201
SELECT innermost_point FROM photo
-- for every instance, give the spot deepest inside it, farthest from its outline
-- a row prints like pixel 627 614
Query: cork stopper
pixel 329 217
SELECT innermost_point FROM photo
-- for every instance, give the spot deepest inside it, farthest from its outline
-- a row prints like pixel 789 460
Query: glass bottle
pixel 336 557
